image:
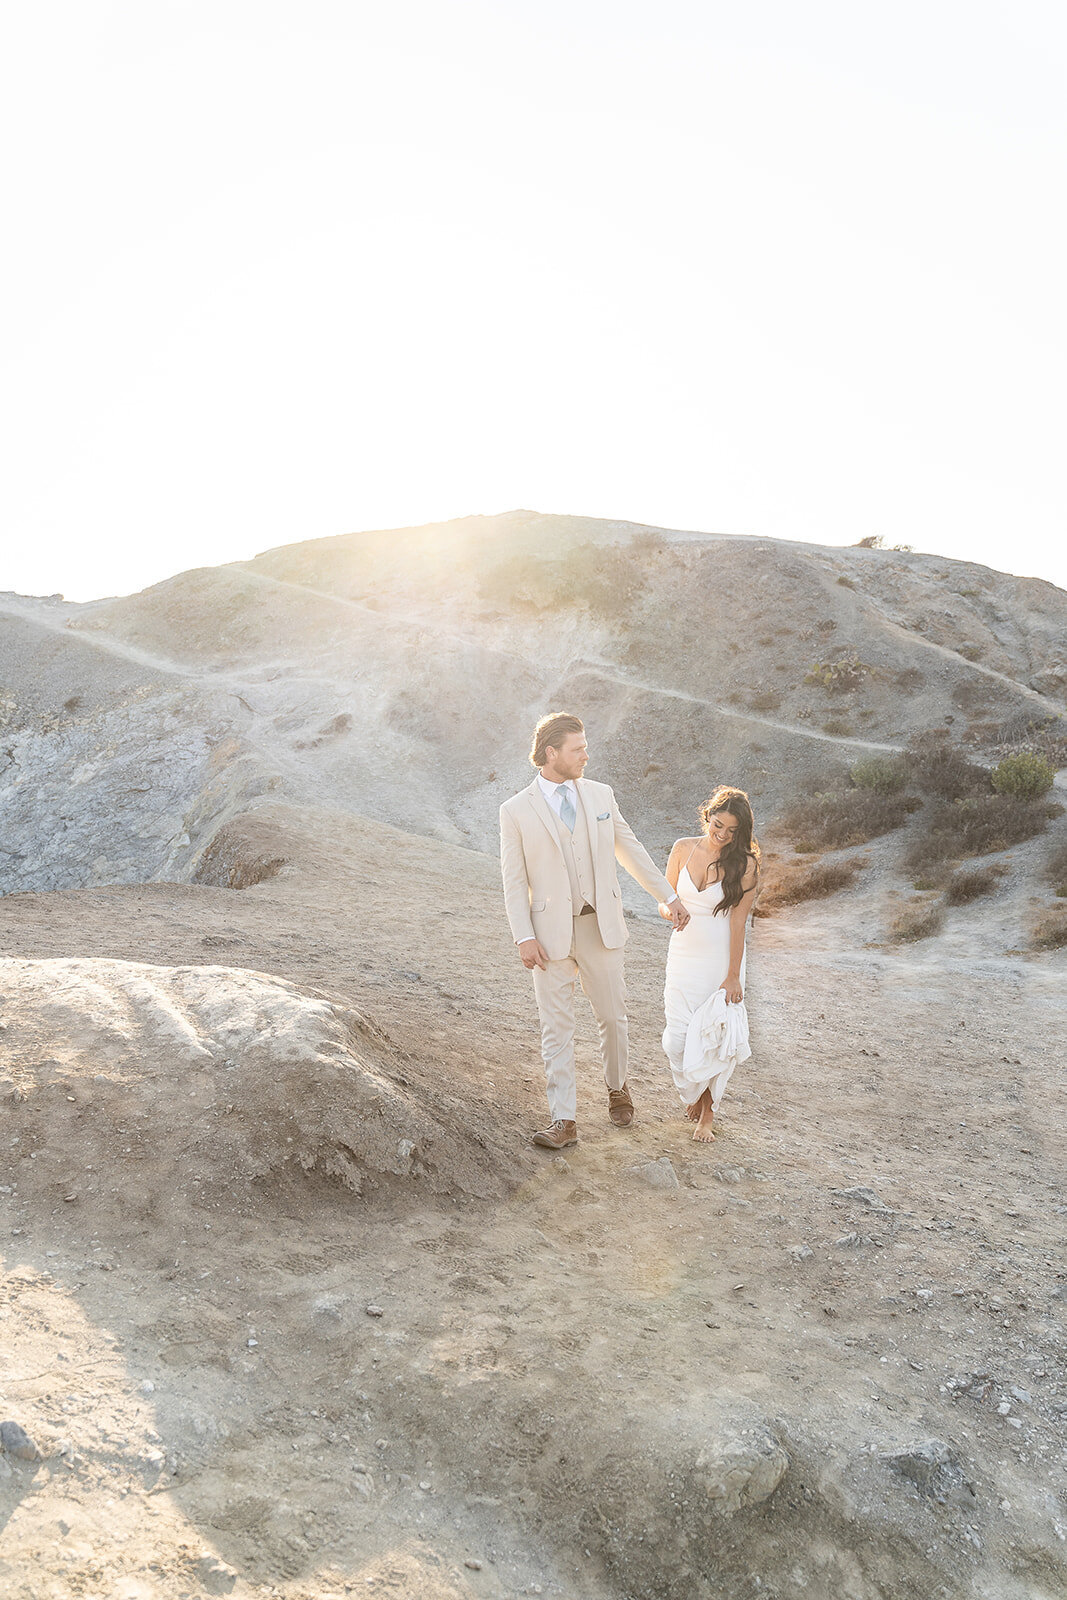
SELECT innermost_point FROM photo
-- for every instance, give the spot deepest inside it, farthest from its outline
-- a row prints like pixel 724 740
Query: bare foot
pixel 693 1111
pixel 702 1133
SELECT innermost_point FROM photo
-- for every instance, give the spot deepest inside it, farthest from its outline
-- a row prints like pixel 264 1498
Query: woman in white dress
pixel 715 876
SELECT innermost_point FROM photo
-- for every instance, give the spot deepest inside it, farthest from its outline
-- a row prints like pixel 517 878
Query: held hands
pixel 533 954
pixel 675 913
pixel 734 992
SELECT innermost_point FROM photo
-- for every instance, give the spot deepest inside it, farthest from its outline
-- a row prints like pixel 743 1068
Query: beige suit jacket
pixel 537 891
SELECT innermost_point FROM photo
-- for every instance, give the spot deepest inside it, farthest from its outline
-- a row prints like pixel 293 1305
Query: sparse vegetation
pixel 974 826
pixel 846 672
pixel 839 728
pixel 765 700
pixel 1056 870
pixel 883 774
pixel 1026 776
pixel 1050 929
pixel 938 768
pixel 608 579
pixel 920 919
pixel 791 885
pixel 845 582
pixel 1043 736
pixel 843 817
pixel 971 884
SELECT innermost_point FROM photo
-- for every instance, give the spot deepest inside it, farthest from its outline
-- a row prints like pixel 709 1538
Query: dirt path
pixel 605 670
pixel 564 1381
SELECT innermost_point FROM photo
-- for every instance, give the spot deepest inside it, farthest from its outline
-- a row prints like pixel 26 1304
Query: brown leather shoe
pixel 557 1136
pixel 620 1107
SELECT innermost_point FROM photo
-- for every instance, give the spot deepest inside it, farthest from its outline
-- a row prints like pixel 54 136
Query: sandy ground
pixel 826 1360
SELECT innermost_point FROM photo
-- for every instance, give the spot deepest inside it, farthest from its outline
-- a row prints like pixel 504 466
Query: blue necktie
pixel 566 805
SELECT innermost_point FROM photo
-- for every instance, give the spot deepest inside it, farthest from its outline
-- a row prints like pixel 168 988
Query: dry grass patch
pixel 1050 929
pixel 971 884
pixel 920 919
pixel 938 768
pixel 844 817
pixel 790 885
pixel 975 826
pixel 1056 870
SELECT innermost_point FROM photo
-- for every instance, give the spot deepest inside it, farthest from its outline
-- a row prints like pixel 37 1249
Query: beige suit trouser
pixel 600 972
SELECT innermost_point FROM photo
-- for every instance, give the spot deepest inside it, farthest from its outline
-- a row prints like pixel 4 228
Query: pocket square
pixel 602 816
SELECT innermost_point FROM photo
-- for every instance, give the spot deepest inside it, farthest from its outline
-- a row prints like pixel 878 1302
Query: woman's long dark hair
pixel 743 847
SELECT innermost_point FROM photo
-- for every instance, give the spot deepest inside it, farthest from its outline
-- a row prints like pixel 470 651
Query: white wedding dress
pixel 704 1038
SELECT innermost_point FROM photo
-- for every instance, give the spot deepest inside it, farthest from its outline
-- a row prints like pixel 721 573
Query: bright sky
pixel 275 271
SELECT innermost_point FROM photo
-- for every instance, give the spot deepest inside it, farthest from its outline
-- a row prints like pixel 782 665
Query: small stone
pixel 864 1195
pixel 17 1442
pixel 148 1387
pixel 800 1252
pixel 253 1344
pixel 657 1174
pixel 934 1469
pixel 474 1566
pixel 375 1311
pixel 214 1575
pixel 727 1174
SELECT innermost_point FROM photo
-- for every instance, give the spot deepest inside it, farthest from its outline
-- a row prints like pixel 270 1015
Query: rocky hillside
pixel 397 674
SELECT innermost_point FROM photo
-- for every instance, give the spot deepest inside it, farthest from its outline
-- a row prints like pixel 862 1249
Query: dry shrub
pixel 791 885
pixel 1056 869
pixel 938 768
pixel 844 817
pixel 765 700
pixel 1050 929
pixel 970 884
pixel 1043 736
pixel 918 920
pixel 837 727
pixel 958 829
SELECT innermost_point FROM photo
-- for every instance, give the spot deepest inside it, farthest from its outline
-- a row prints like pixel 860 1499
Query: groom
pixel 559 840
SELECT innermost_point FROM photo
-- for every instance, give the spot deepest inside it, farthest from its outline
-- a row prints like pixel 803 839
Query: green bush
pixel 1026 776
pixel 883 774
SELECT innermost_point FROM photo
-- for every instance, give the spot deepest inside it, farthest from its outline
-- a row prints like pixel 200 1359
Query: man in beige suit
pixel 559 841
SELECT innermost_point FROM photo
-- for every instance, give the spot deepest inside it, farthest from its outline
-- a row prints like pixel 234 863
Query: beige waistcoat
pixel 578 858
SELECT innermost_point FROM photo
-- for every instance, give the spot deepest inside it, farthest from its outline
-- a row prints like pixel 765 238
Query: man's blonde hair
pixel 552 730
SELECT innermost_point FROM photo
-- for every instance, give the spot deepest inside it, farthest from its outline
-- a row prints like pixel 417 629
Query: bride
pixel 715 876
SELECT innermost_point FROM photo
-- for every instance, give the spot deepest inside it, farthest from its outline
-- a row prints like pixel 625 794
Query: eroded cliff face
pixel 397 675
